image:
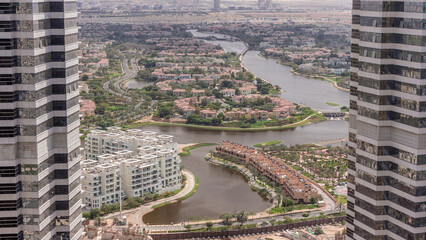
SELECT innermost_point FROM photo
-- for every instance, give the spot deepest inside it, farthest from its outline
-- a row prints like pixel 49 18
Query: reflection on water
pixel 221 190
pixel 328 130
pixel 313 93
pixel 137 84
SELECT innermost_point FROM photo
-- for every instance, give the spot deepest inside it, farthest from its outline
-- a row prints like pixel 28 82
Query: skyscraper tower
pixel 39 120
pixel 216 5
pixel 261 3
pixel 387 129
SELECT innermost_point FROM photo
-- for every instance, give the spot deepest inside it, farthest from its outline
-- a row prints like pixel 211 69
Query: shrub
pixel 94 213
pixel 86 215
pixel 318 231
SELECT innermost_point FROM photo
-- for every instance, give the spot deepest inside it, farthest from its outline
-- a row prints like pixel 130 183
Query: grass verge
pixel 265 144
pixel 332 104
pixel 319 117
pixel 192 191
pixel 161 204
pixel 249 226
pixel 182 198
pixel 187 150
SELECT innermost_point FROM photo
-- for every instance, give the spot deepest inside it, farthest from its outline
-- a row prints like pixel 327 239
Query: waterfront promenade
pixel 134 216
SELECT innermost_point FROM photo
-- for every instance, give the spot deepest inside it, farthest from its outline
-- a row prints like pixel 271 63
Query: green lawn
pixel 182 198
pixel 187 150
pixel 315 118
pixel 192 191
pixel 270 143
pixel 279 209
pixel 161 204
pixel 332 104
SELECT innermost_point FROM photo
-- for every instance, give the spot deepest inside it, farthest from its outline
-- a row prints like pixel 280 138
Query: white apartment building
pixel 154 167
pixel 101 184
pixel 101 142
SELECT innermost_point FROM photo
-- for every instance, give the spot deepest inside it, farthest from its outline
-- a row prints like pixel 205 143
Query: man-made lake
pixel 222 190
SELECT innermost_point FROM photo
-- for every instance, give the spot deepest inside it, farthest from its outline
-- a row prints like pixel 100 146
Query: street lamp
pixel 121 213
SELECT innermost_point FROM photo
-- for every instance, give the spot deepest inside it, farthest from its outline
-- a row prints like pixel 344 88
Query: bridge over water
pixel 335 115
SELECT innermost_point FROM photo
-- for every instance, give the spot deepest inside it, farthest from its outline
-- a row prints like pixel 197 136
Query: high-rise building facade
pixel 216 5
pixel 40 191
pixel 387 155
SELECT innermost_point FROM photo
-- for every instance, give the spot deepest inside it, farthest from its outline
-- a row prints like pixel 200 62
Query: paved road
pixel 329 203
pixel 119 91
pixel 258 218
pixel 136 214
pixel 190 184
pixel 128 74
pixel 217 223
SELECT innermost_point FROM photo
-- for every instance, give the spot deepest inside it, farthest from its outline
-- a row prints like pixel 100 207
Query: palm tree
pixel 242 217
pixel 98 221
pixel 209 225
pixel 226 219
pixel 188 227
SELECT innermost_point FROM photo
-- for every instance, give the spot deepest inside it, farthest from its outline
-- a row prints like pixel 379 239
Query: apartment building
pixel 153 168
pixel 387 129
pixel 113 140
pixel 294 185
pixel 39 121
pixel 216 5
pixel 101 183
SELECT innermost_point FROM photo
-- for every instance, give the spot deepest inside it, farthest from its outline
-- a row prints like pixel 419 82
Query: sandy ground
pixel 182 146
pixel 145 119
pixel 329 231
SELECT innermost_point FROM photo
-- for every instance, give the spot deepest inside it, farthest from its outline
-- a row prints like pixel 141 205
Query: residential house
pixel 207 113
pixel 228 92
pixel 179 92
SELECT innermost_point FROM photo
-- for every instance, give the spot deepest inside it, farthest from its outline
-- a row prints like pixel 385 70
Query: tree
pixel 209 225
pixel 148 196
pixel 94 213
pixel 216 121
pixel 86 215
pixel 288 220
pixel 287 202
pixel 98 221
pixel 221 116
pixel 227 84
pixel 226 219
pixel 242 217
pixel 318 231
pixel 188 227
pixel 106 208
pixel 131 203
pixel 165 112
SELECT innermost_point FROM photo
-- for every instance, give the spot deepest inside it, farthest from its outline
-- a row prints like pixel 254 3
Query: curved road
pixel 137 213
pixel 258 218
pixel 128 74
pixel 190 184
